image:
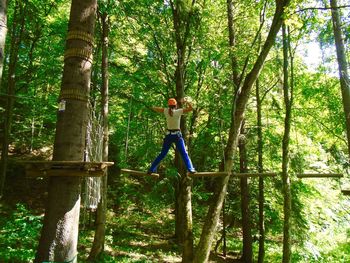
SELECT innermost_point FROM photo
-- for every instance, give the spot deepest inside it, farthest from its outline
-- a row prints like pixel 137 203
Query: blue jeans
pixel 180 144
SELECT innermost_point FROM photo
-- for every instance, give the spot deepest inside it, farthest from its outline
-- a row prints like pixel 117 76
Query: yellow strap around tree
pixel 77 94
pixel 85 54
pixel 81 35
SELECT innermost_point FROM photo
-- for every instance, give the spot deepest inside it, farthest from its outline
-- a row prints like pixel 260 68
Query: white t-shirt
pixel 173 122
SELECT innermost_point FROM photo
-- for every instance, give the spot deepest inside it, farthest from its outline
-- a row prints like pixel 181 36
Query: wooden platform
pixel 65 168
pixel 138 173
pixel 319 175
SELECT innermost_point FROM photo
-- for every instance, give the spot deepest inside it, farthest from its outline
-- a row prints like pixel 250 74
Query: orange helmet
pixel 172 102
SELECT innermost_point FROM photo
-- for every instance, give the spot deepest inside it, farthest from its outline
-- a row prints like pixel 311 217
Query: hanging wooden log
pixel 319 175
pixel 138 173
pixel 253 174
pixel 207 174
pixel 65 168
pixel 216 174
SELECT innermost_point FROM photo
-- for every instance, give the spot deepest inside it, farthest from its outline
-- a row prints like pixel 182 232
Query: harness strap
pixel 174 133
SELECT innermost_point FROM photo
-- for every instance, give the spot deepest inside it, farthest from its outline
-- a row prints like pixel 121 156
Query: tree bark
pixel 232 43
pixel 186 200
pixel 261 253
pixel 208 231
pixel 247 255
pixel 59 235
pixel 287 92
pixel 182 12
pixel 342 65
pixel 99 239
pixel 16 38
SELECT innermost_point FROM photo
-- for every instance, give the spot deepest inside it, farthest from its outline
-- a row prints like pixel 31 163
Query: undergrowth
pixel 140 228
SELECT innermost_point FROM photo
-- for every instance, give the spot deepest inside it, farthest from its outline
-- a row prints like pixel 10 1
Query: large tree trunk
pixel 203 250
pixel 247 255
pixel 186 218
pixel 99 240
pixel 16 38
pixel 343 66
pixel 288 98
pixel 182 12
pixel 59 234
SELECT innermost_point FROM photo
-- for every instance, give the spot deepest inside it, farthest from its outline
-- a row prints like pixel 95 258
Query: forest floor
pixel 140 220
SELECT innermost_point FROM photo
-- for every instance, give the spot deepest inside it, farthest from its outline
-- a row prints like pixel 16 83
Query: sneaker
pixel 192 171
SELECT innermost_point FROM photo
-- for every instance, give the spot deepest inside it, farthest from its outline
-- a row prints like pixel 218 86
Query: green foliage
pixel 38 70
pixel 19 233
pixel 142 64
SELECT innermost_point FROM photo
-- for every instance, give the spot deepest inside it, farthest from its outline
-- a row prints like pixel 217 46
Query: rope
pixel 70 261
pixel 222 141
pixel 128 130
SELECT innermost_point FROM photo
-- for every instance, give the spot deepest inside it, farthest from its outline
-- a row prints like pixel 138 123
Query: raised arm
pixel 158 109
pixel 187 106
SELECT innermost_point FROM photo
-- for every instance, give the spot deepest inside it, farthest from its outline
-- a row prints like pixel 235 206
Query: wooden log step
pixel 216 174
pixel 242 175
pixel 138 173
pixel 207 174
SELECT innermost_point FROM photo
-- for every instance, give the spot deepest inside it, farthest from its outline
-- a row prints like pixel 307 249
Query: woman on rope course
pixel 173 135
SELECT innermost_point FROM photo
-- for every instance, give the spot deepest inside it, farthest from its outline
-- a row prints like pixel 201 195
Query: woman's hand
pixel 188 104
pixel 185 100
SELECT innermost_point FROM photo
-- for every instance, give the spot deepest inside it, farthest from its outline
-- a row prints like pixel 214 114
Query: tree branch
pixel 321 8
